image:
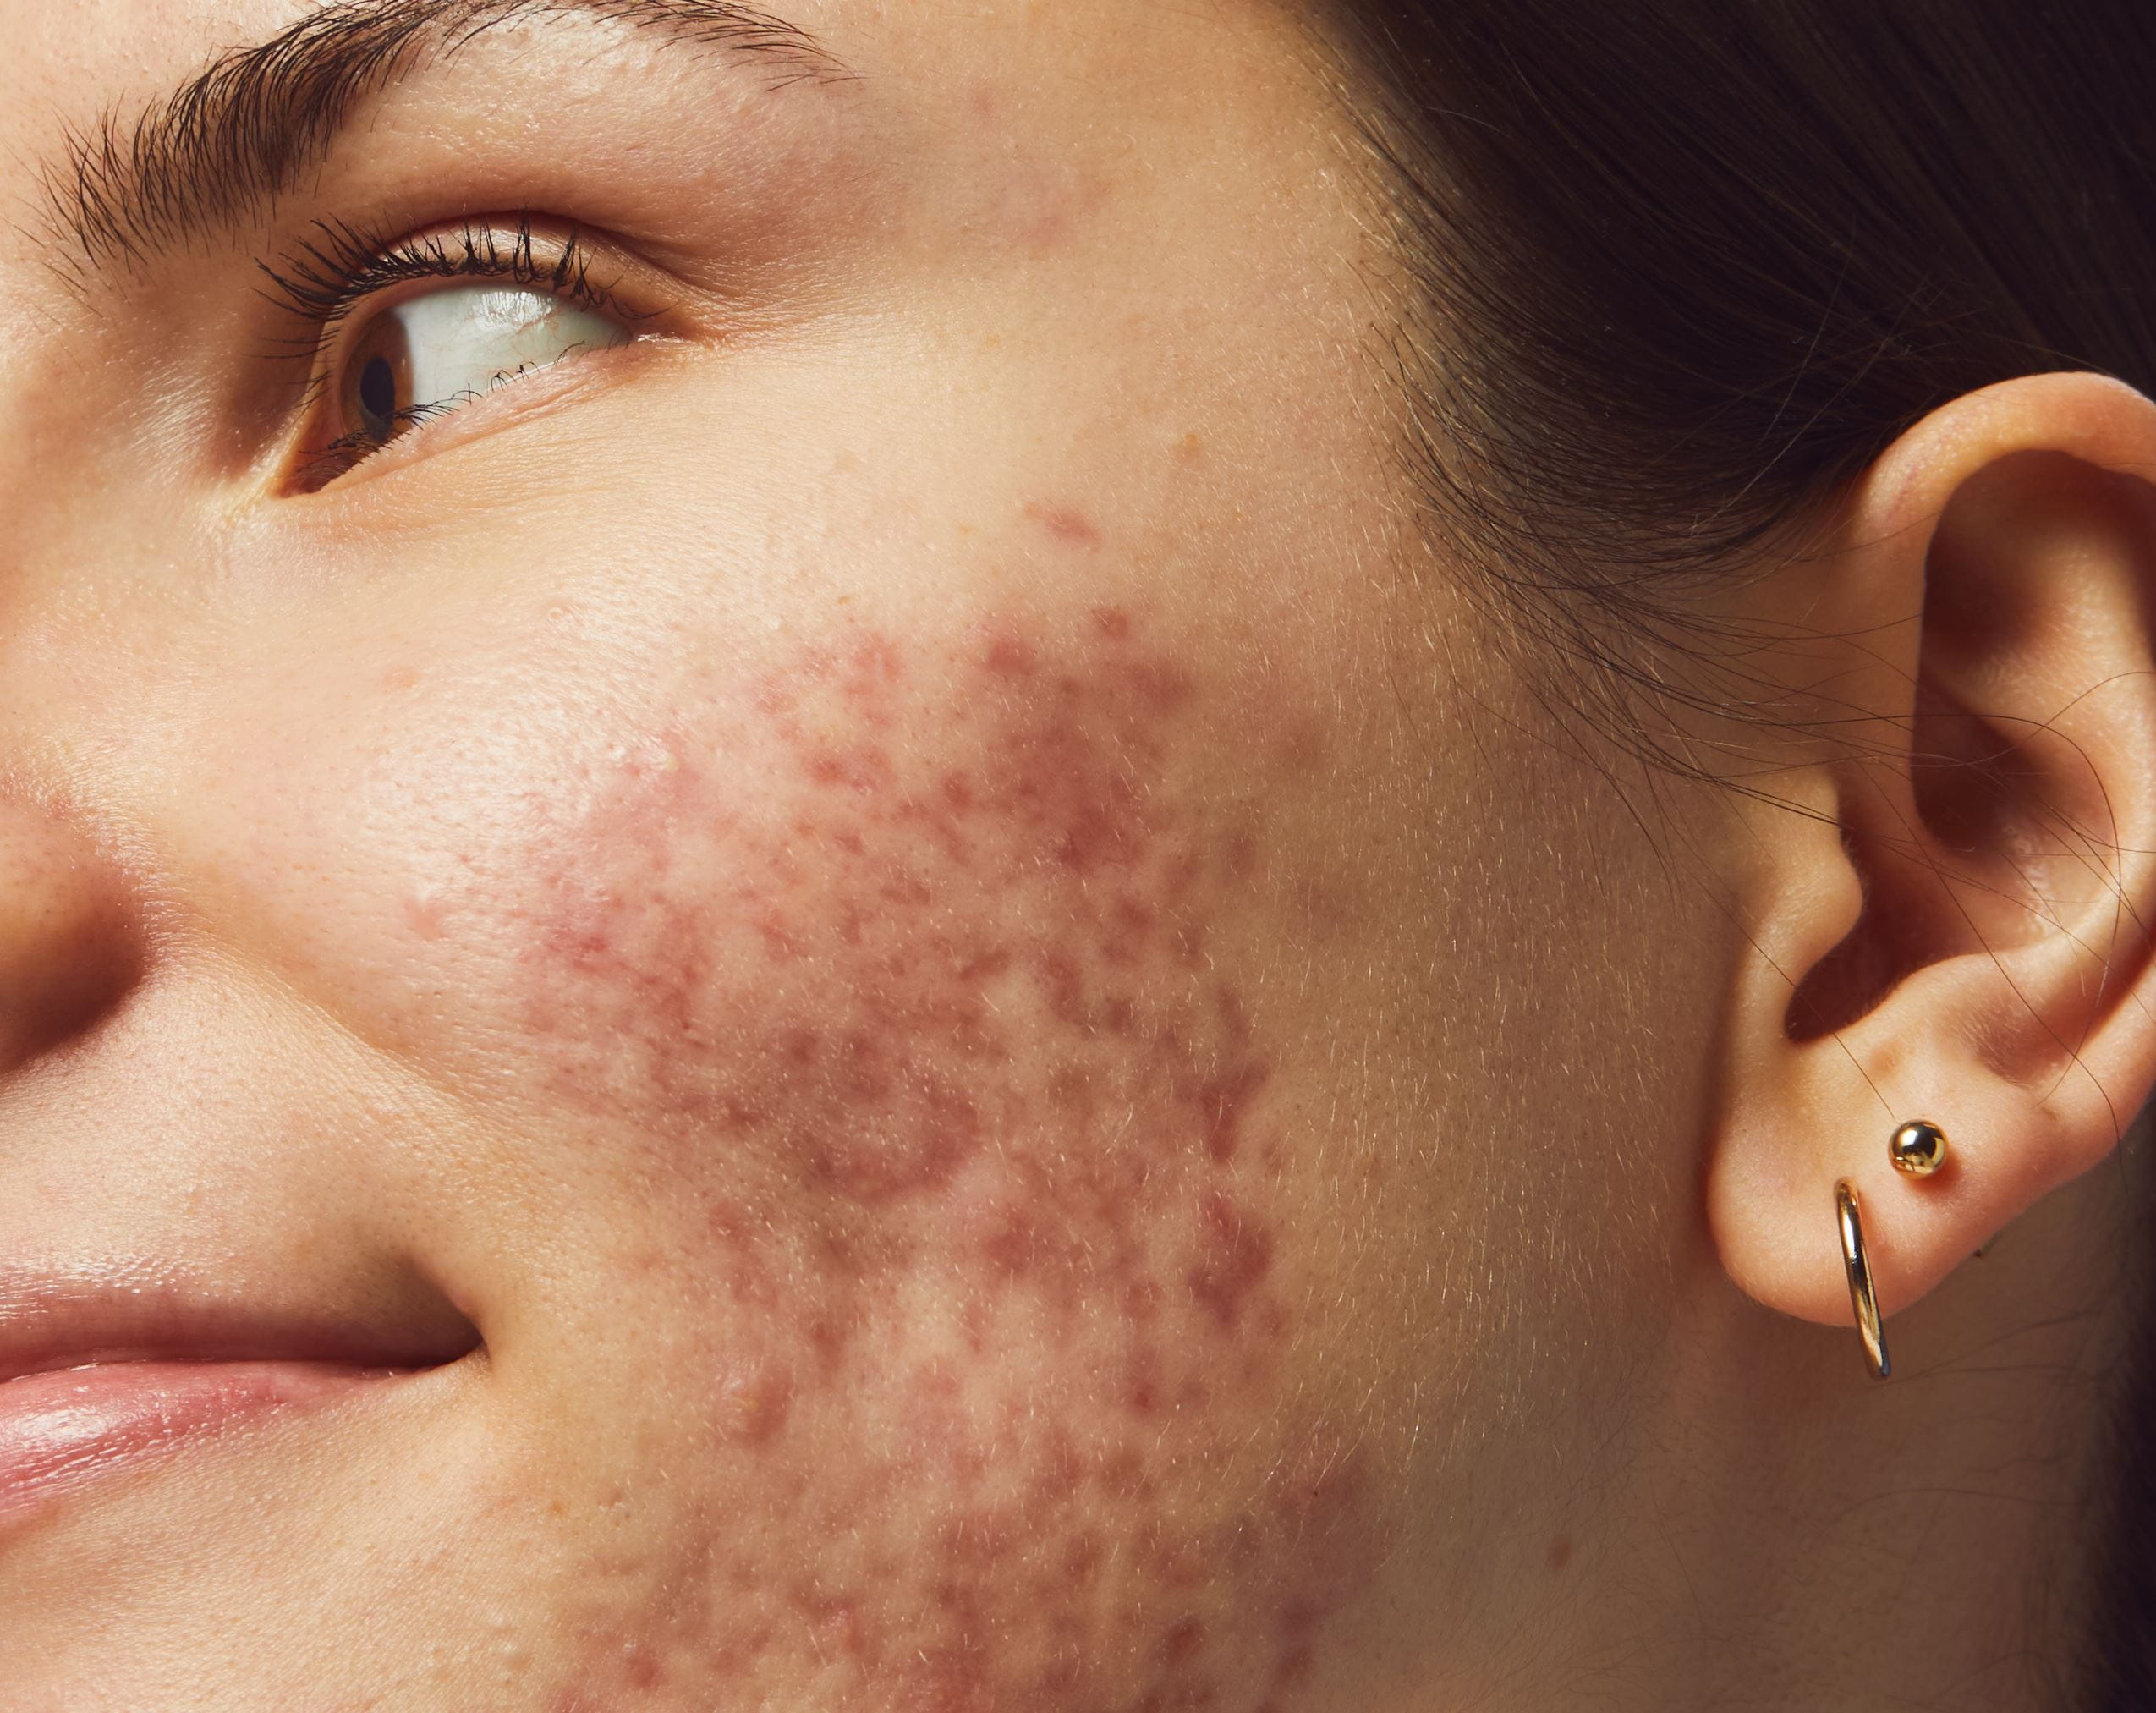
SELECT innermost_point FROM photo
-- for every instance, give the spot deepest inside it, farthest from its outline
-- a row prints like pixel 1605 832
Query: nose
pixel 70 942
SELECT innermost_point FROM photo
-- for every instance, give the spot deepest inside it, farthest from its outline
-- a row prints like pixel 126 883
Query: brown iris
pixel 376 400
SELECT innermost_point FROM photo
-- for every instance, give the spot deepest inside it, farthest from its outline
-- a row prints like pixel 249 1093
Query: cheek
pixel 906 909
pixel 922 981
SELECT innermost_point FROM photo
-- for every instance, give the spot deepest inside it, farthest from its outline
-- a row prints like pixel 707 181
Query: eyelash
pixel 326 278
pixel 330 275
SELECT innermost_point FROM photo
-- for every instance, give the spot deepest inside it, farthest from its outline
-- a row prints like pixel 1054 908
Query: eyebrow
pixel 227 142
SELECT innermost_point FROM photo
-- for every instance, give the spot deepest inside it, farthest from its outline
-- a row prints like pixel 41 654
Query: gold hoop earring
pixel 1863 1299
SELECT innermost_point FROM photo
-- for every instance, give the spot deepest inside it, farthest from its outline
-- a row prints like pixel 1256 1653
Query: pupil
pixel 378 397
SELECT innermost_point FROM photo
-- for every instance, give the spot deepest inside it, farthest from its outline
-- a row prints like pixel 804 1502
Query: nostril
pixel 70 941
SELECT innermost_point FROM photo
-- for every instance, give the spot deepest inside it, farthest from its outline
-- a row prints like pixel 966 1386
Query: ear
pixel 1948 900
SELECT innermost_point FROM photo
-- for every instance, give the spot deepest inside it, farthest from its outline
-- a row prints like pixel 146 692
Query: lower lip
pixel 61 1431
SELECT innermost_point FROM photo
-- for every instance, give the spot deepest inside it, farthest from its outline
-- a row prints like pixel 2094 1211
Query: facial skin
pixel 975 1046
pixel 797 885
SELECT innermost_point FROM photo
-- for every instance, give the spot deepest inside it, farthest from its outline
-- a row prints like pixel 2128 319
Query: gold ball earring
pixel 1917 1148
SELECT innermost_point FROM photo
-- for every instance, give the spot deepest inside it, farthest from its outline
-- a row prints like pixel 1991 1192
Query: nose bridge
pixel 87 539
pixel 69 931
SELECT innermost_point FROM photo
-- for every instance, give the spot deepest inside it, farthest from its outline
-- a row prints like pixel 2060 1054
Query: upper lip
pixel 49 1322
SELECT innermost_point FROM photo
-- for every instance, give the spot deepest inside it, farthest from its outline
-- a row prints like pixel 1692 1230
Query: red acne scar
pixel 1009 658
pixel 1065 524
pixel 908 969
pixel 1233 1257
pixel 753 1405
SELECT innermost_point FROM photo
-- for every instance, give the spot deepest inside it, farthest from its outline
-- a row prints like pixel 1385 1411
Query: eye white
pixel 462 342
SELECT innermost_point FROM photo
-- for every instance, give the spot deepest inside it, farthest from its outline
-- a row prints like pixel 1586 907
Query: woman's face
pixel 853 967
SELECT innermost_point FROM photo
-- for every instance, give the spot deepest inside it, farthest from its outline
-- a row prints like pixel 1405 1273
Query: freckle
pixel 1067 526
pixel 1190 448
pixel 1560 1553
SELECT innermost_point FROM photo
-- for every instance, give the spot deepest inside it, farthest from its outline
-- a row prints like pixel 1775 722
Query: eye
pixel 417 360
pixel 401 332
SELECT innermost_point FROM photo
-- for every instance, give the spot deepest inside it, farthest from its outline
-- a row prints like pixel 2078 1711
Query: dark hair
pixel 1676 272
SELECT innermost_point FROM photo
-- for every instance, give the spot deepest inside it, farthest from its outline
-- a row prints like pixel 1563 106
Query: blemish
pixel 1233 1258
pixel 425 912
pixel 1160 686
pixel 1183 1641
pixel 1222 1100
pixel 1009 658
pixel 641 1670
pixel 917 975
pixel 1066 523
pixel 752 1406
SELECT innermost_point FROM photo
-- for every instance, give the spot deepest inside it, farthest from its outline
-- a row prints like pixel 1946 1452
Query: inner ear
pixel 1977 822
pixel 1867 963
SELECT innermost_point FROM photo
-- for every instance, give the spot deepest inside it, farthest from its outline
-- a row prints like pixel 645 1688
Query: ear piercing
pixel 1917 1148
pixel 1863 1300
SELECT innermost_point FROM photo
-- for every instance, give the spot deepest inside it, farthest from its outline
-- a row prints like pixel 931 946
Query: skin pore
pixel 994 1058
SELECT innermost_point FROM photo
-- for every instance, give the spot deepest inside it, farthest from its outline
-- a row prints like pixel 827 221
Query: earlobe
pixel 1944 901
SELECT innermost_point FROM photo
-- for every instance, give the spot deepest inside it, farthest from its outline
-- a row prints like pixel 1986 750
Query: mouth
pixel 95 1382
